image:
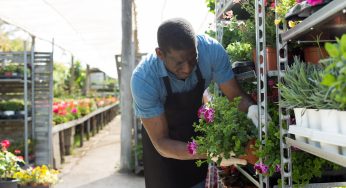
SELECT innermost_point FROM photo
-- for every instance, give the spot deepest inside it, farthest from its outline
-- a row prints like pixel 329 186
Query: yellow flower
pixel 277 22
pixel 291 24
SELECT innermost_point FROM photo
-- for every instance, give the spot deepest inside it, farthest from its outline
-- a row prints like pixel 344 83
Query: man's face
pixel 179 62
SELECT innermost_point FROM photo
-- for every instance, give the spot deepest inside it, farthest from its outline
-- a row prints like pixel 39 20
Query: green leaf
pixel 332 50
pixel 328 80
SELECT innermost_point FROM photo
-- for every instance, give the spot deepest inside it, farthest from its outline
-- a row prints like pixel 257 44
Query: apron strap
pixel 167 85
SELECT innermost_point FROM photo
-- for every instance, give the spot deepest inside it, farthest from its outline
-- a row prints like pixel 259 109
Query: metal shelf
pixel 317 19
pixel 14 120
pixel 248 176
pixel 335 158
pixel 11 81
pixel 228 5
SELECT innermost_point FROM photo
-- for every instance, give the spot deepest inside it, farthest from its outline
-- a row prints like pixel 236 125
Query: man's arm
pixel 231 89
pixel 157 129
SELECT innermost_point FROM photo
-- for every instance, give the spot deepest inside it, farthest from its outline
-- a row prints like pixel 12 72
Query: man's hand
pixel 252 114
pixel 231 161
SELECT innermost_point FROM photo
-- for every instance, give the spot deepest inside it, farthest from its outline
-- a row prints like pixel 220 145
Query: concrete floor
pixel 96 165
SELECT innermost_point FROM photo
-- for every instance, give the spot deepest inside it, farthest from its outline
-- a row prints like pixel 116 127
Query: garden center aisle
pixel 96 165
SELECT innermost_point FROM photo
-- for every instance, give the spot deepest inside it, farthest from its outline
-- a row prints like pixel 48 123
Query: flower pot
pixel 313 54
pixel 342 127
pixel 301 121
pixel 314 121
pixel 329 123
pixel 271 58
pixel 250 157
pixel 9 113
pixel 8 74
pixel 8 184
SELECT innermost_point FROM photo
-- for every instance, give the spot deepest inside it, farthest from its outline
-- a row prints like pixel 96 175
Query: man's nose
pixel 187 68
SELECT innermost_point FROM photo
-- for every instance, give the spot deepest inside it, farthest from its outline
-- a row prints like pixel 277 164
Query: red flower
pixel 17 151
pixel 5 144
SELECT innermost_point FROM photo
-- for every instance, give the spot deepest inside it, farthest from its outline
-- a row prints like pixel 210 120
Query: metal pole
pixel 285 150
pixel 26 148
pixel 261 61
pixel 33 86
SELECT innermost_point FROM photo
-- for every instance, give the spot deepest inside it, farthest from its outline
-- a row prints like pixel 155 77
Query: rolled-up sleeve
pixel 145 98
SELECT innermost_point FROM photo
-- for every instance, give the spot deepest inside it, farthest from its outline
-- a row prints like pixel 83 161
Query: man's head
pixel 177 47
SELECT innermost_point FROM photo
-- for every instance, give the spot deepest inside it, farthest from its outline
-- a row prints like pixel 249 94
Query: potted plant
pixel 38 177
pixel 9 108
pixel 224 131
pixel 334 77
pixel 10 70
pixel 9 165
pixel 248 33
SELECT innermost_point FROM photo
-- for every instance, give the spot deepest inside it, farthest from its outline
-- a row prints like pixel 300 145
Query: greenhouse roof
pixel 91 30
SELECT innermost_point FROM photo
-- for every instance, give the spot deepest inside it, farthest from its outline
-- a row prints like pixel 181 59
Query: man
pixel 167 89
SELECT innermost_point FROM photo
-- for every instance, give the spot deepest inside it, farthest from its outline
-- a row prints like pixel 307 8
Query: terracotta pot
pixel 250 157
pixel 313 54
pixel 271 58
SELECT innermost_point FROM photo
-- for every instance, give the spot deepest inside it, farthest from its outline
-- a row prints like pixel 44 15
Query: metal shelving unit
pixel 320 21
pixel 18 88
pixel 221 6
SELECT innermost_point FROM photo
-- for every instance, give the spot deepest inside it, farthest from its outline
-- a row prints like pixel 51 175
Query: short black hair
pixel 177 34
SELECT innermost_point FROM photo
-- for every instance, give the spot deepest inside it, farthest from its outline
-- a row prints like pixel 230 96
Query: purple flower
pixel 315 2
pixel 277 168
pixel 206 113
pixel 261 168
pixel 201 111
pixel 209 115
pixel 271 83
pixel 192 147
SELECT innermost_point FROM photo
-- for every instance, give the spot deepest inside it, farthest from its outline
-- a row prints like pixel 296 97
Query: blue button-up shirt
pixel 147 86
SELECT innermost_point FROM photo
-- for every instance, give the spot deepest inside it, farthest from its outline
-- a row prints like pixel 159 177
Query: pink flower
pixel 277 168
pixel 5 144
pixel 55 109
pixel 192 147
pixel 228 14
pixel 261 168
pixel 17 151
pixel 20 158
pixel 209 115
pixel 201 111
pixel 272 6
pixel 74 111
pixel 315 2
pixel 298 1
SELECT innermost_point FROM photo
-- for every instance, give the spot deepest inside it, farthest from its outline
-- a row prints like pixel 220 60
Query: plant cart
pixel 221 7
pixel 329 19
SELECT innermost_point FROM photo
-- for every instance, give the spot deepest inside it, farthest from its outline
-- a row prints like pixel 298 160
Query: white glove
pixel 231 161
pixel 252 113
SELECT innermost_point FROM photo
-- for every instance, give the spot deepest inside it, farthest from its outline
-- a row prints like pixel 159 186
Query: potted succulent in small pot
pixel 225 131
pixel 37 177
pixel 9 165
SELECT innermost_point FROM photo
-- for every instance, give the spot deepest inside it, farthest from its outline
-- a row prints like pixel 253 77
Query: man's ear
pixel 159 53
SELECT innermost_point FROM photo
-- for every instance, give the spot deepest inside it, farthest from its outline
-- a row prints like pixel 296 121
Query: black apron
pixel 181 112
